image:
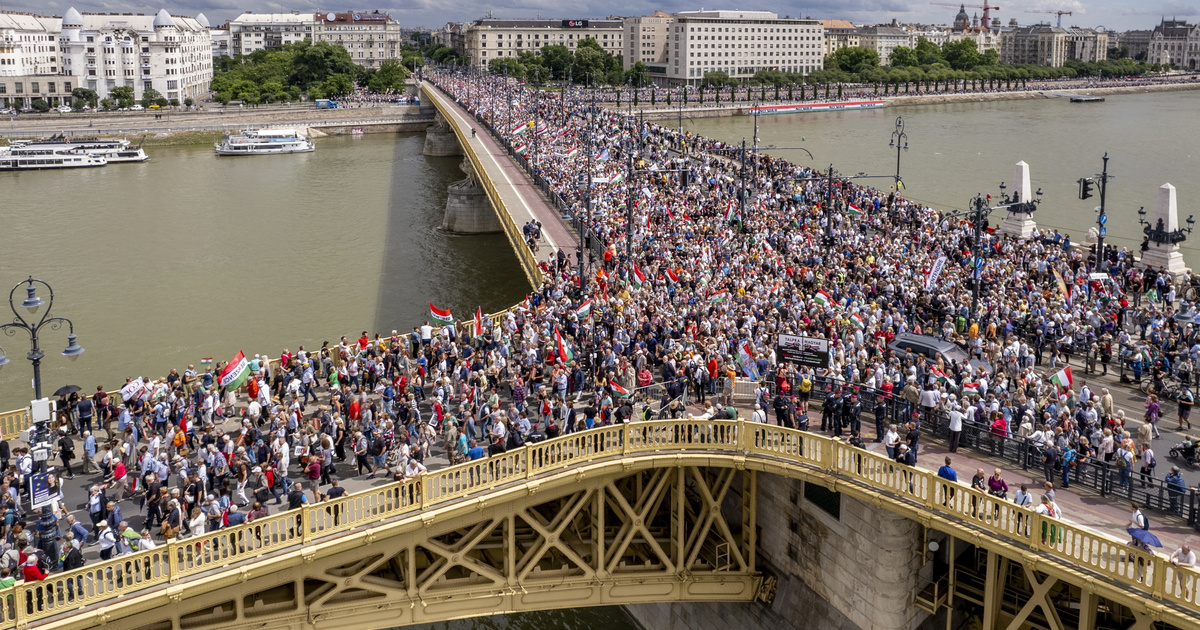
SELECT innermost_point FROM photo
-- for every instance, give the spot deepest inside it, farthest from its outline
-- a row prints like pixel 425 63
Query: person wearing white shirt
pixel 759 415
pixel 1183 557
pixel 955 425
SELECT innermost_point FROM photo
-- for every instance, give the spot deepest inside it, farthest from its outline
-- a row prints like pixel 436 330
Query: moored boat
pixel 264 142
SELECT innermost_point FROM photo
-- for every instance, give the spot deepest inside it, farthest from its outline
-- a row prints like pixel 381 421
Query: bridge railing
pixel 177 559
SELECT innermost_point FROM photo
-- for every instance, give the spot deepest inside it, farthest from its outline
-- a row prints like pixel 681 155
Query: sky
pixel 1116 15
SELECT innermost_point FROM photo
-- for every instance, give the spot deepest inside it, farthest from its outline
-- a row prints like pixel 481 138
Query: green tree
pixel 962 54
pixel 107 103
pixel 85 97
pixel 903 56
pixel 638 75
pixel 151 96
pixel 508 66
pixel 391 76
pixel 928 52
pixel 314 63
pixel 40 105
pixel 188 102
pixel 338 85
pixel 852 59
pixel 717 79
pixel 123 95
pixel 558 59
pixel 591 61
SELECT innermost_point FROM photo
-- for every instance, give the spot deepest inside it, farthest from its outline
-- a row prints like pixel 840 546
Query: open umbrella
pixel 1144 536
pixel 67 390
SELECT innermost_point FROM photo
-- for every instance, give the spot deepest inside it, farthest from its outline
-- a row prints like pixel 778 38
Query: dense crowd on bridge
pixel 690 292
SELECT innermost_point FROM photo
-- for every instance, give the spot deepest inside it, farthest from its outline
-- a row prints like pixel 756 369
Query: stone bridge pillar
pixel 440 140
pixel 1020 224
pixel 1165 218
pixel 468 210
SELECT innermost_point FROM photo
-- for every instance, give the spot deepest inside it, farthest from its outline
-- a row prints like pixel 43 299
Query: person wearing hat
pixel 1176 487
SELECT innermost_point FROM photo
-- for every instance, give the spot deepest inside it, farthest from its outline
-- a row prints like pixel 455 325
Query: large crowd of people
pixel 699 275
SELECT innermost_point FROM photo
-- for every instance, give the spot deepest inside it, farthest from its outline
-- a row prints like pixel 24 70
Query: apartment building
pixel 646 39
pixel 740 43
pixel 839 34
pixel 490 38
pixel 249 32
pixel 370 38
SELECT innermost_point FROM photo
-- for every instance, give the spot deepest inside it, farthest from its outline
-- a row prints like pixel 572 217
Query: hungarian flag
pixel 617 179
pixel 671 277
pixel 572 153
pixel 584 309
pixel 970 388
pixel 205 360
pixel 729 210
pixel 520 129
pixel 939 375
pixel 235 373
pixel 821 298
pixel 718 297
pixel 541 128
pixel 478 331
pixel 857 321
pixel 565 354
pixel 439 315
pixel 854 210
pixel 617 390
pixel 637 277
pixel 520 148
pixel 1063 379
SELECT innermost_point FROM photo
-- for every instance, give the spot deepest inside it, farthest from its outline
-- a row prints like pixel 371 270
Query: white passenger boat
pixel 33 158
pixel 264 142
pixel 114 150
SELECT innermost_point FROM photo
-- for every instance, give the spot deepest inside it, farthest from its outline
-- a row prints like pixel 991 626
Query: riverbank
pixel 901 100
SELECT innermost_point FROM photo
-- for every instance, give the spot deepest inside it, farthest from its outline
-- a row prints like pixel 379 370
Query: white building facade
pixel 740 43
pixel 249 32
pixel 30 62
pixel 646 40
pixel 171 54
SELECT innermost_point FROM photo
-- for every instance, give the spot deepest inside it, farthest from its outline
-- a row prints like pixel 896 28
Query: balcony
pixel 91 54
pixel 145 53
pixel 145 65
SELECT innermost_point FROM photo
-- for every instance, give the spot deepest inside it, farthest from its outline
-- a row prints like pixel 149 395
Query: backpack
pixel 1121 463
pixel 805 385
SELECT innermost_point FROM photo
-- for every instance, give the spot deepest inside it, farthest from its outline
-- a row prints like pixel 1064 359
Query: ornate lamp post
pixel 1157 232
pixel 900 141
pixel 32 304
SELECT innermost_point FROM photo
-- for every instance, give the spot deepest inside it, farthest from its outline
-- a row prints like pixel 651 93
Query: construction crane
pixel 1058 13
pixel 987 8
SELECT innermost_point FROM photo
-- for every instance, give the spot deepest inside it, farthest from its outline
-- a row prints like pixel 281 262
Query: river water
pixel 960 149
pixel 190 255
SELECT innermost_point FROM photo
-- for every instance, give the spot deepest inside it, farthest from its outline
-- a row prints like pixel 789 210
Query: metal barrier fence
pixel 1095 474
pixel 1128 568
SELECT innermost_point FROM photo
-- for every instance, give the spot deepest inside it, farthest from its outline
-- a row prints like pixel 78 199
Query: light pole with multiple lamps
pixel 33 304
pixel 900 141
pixel 1158 233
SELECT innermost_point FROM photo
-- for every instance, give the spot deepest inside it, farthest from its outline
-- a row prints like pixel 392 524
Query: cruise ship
pixel 35 157
pixel 264 142
pixel 114 150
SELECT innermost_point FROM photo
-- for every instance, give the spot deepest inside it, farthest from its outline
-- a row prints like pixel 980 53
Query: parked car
pixel 65 109
pixel 136 108
pixel 932 347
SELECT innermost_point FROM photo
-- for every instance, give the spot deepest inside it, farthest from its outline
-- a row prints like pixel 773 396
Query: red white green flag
pixel 637 277
pixel 729 209
pixel 520 148
pixel 1063 379
pixel 478 331
pixel 857 321
pixel 235 373
pixel 821 298
pixel 572 153
pixel 617 390
pixel 439 315
pixel 565 354
pixel 671 277
pixel 970 388
pixel 584 309
pixel 718 296
pixel 854 210
pixel 520 129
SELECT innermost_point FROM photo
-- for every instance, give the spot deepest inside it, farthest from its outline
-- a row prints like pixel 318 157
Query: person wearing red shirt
pixel 364 341
pixel 32 571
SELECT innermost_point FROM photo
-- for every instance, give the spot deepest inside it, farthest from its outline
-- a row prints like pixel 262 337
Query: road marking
pixel 512 187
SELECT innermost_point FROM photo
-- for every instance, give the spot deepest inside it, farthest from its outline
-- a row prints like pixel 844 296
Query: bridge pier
pixel 468 210
pixel 440 140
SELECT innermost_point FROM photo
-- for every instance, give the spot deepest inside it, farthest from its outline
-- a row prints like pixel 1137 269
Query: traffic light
pixel 1085 188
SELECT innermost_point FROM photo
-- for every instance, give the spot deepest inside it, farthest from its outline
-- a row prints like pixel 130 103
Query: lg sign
pixel 574 23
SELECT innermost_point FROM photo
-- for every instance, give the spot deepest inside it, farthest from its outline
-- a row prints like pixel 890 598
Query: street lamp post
pixel 32 303
pixel 1158 233
pixel 900 141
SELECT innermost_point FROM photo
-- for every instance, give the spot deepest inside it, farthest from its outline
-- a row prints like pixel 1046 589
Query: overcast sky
pixel 1116 15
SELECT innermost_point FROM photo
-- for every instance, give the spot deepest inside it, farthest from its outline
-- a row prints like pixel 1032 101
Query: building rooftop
pixel 837 24
pixel 350 17
pixel 273 18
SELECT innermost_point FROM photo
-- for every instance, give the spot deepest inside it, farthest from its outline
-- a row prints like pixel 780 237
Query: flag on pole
pixel 854 210
pixel 478 331
pixel 205 360
pixel 821 297
pixel 520 148
pixel 584 309
pixel 133 389
pixel 617 390
pixel 617 179
pixel 729 210
pixel 235 373
pixel 970 388
pixel 519 129
pixel 439 315
pixel 718 297
pixel 671 277
pixel 565 354
pixel 602 156
pixel 857 321
pixel 572 152
pixel 541 128
pixel 637 277
pixel 746 359
pixel 1063 379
